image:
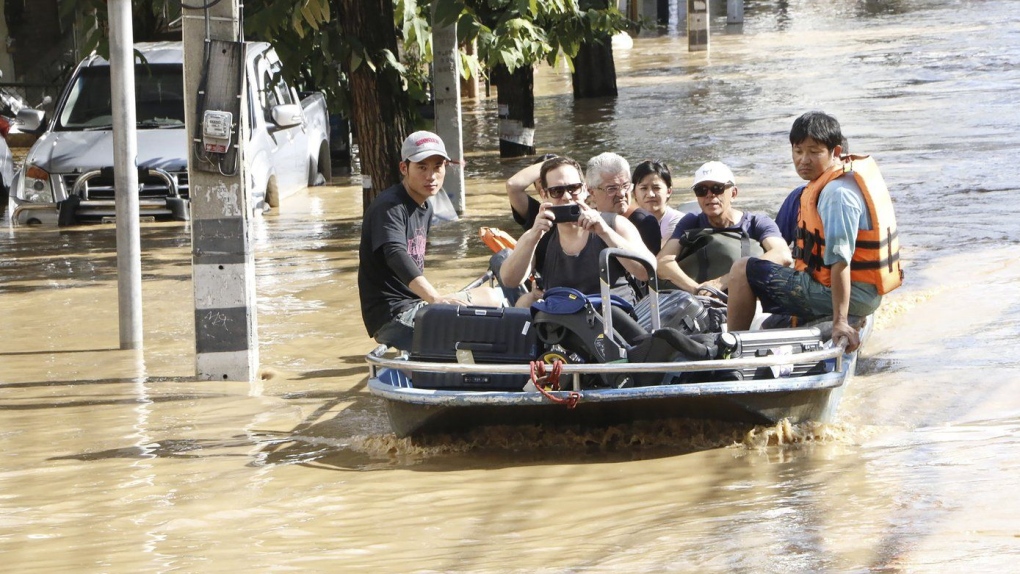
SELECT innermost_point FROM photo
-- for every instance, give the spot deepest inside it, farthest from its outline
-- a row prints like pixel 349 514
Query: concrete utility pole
pixel 125 170
pixel 226 338
pixel 446 79
pixel 697 25
pixel 677 15
pixel 734 11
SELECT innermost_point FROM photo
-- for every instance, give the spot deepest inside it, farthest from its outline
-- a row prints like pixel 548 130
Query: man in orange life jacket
pixel 847 252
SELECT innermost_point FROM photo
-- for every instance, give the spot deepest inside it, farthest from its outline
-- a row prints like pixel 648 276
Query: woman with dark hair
pixel 653 186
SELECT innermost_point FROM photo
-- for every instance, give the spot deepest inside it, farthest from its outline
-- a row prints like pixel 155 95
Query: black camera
pixel 566 213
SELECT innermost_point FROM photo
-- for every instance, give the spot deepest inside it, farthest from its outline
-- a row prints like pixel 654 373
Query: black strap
pixel 702 265
pixel 885 243
pixel 691 240
pixel 888 262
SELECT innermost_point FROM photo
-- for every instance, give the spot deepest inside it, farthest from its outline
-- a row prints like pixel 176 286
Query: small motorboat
pixel 757 377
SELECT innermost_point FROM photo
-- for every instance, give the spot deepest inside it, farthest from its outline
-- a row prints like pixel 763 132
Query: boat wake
pixel 536 444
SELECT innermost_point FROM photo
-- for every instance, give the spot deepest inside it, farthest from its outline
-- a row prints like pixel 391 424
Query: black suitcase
pixel 453 333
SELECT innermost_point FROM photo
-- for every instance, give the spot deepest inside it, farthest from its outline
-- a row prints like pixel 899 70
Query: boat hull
pixel 804 398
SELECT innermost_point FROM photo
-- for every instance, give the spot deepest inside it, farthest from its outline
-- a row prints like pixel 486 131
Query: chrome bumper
pixel 173 205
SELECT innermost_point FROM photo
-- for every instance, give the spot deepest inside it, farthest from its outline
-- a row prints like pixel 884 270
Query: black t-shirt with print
pixel 393 219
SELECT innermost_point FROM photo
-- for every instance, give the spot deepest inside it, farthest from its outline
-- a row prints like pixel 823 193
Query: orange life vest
pixel 876 258
pixel 496 239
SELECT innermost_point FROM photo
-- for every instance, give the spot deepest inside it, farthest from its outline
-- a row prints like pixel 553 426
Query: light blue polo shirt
pixel 843 211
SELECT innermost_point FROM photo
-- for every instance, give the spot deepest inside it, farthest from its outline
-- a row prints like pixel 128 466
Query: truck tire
pixel 321 171
pixel 272 193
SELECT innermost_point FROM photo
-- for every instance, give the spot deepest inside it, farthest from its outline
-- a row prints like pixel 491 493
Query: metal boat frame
pixel 760 401
pixel 795 393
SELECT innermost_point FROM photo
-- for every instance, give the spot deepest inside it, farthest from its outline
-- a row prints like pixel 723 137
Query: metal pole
pixel 125 168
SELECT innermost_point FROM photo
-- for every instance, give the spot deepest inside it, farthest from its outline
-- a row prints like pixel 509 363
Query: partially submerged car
pixel 68 173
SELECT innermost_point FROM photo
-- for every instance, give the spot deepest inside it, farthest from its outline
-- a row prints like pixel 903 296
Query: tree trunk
pixel 380 108
pixel 469 87
pixel 515 97
pixel 594 70
pixel 36 46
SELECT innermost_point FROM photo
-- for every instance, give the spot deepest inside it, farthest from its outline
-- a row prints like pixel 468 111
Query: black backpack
pixel 708 253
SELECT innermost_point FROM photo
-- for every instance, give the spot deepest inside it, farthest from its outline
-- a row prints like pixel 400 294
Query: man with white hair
pixel 608 177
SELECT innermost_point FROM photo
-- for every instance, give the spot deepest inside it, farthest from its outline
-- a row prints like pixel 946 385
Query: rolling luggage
pixel 747 344
pixel 779 342
pixel 462 334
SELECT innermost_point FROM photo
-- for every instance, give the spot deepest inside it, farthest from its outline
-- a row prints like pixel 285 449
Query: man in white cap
pixel 391 268
pixel 705 245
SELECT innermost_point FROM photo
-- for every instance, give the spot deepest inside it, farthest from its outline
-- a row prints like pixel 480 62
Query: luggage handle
pixel 469 311
pixel 479 347
pixel 604 280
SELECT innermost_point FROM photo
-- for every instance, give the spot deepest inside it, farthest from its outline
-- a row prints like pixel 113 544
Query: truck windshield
pixel 159 98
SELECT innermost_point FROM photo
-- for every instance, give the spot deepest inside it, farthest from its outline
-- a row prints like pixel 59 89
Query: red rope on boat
pixel 540 379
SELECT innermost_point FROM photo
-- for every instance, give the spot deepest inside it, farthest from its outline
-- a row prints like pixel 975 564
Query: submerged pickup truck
pixel 67 175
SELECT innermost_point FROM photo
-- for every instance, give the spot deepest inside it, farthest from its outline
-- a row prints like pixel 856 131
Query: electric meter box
pixel 216 128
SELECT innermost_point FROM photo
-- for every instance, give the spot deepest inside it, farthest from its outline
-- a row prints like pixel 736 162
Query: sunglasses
pixel 702 189
pixel 559 190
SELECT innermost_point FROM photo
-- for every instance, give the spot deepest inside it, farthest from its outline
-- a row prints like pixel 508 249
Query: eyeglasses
pixel 702 189
pixel 614 189
pixel 559 190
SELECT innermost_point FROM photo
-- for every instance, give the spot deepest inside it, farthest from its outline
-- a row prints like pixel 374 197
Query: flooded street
pixel 118 461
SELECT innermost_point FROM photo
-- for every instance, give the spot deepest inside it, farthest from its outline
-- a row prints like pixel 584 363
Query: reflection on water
pixel 118 461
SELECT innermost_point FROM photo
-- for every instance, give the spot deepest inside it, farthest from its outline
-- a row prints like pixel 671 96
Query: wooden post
pixel 446 79
pixel 226 338
pixel 697 25
pixel 469 87
pixel 734 12
pixel 634 9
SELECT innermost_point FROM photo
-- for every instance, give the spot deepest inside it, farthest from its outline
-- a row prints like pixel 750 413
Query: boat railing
pixel 377 359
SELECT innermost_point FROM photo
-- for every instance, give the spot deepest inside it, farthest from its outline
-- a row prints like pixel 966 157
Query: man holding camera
pixel 563 245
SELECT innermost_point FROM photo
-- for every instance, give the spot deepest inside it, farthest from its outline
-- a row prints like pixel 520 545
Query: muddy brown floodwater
pixel 119 461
